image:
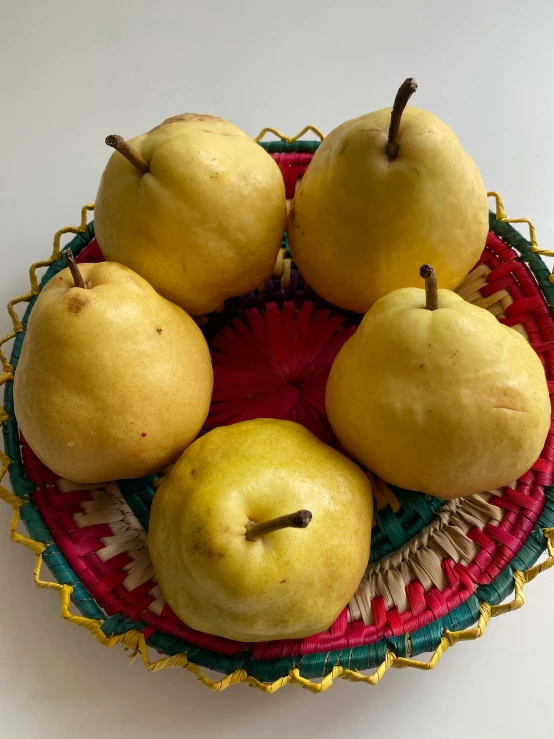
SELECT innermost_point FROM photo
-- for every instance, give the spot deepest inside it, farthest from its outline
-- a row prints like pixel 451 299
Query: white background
pixel 72 72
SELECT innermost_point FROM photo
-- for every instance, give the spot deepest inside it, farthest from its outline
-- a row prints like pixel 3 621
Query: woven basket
pixel 438 571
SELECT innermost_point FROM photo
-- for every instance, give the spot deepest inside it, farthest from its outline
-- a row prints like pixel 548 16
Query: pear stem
pixel 405 92
pixel 298 520
pixel 131 155
pixel 74 269
pixel 431 291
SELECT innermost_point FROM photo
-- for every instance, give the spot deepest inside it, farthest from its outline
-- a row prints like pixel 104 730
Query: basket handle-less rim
pixel 289 139
pixel 534 247
pixel 135 640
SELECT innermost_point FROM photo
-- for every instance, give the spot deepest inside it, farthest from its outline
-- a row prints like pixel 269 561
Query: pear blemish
pixel 76 303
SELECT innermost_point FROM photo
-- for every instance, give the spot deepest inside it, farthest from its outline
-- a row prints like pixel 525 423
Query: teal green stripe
pixel 139 495
pixel 20 485
pixel 298 147
pixel 417 511
pixel 514 239
pixel 390 526
pixel 423 505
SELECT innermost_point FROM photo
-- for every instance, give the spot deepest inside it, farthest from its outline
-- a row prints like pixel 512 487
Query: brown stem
pixel 431 291
pixel 74 269
pixel 298 520
pixel 405 92
pixel 131 155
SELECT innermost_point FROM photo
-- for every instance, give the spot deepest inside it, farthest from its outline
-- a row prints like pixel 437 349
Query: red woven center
pixel 275 364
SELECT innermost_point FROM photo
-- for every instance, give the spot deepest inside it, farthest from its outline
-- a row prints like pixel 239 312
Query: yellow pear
pixel 384 193
pixel 113 380
pixel 224 532
pixel 196 207
pixel 436 395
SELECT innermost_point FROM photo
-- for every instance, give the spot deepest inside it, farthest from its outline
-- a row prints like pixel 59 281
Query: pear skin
pixel 362 222
pixel 285 583
pixel 113 380
pixel 204 222
pixel 447 402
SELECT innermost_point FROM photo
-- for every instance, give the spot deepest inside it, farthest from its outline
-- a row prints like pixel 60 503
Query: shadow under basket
pixel 438 571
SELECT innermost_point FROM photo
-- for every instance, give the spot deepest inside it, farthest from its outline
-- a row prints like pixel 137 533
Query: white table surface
pixel 72 72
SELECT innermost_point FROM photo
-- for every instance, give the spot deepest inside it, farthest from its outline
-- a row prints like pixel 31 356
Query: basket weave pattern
pixel 435 568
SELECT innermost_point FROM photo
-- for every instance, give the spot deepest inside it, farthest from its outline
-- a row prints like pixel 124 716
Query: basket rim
pixel 71 589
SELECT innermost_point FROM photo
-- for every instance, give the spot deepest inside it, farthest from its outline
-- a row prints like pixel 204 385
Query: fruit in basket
pixel 384 193
pixel 224 532
pixel 113 381
pixel 435 394
pixel 196 207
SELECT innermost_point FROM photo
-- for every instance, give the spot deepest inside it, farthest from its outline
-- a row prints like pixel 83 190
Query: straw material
pixel 436 568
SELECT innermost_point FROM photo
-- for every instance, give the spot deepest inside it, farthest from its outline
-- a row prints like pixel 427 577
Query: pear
pixel 260 531
pixel 196 207
pixel 384 193
pixel 434 394
pixel 113 380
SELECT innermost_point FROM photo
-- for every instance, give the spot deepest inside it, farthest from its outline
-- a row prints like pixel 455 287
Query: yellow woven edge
pixel 502 217
pixel 135 641
pixel 289 139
